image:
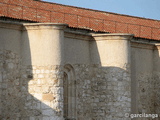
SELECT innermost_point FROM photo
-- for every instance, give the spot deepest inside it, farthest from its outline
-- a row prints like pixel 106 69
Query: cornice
pixel 77 35
pixel 112 36
pixel 37 26
pixel 11 25
pixel 141 45
pixel 157 46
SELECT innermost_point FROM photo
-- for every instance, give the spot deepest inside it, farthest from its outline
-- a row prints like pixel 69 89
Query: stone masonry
pixel 54 72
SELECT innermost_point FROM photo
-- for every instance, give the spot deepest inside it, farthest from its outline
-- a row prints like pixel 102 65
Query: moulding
pixel 11 25
pixel 37 26
pixel 113 36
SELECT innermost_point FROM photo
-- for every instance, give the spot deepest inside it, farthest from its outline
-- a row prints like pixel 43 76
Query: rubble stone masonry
pixel 36 92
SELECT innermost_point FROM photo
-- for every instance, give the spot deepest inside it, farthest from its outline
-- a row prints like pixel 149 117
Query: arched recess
pixel 69 93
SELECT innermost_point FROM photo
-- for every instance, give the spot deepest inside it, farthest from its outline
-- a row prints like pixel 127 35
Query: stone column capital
pixel 34 26
pixel 113 36
pixel 157 46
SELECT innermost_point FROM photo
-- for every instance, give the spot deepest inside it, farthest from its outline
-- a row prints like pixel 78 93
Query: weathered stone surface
pixel 26 91
pixel 96 92
pixel 48 97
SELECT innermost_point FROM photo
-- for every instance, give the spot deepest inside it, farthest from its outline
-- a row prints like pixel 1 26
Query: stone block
pixel 48 97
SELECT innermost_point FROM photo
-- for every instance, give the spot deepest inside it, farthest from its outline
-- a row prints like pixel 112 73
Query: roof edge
pixel 95 10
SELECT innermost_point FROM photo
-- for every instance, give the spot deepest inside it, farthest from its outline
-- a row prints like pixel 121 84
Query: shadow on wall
pixel 110 84
pixel 36 92
pixel 102 91
pixel 27 92
pixel 145 80
pixel 76 91
pixel 156 77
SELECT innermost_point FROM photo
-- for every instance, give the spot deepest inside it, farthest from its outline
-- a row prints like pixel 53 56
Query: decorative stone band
pixel 141 45
pixel 113 36
pixel 78 35
pixel 11 25
pixel 28 26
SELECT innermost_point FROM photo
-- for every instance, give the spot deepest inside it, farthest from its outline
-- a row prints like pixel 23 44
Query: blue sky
pixel 140 8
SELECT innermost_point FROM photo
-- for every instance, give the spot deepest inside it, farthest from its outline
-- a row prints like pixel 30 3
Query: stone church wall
pixel 47 70
pixel 143 83
pixel 157 78
pixel 23 85
pixel 102 91
pixel 145 78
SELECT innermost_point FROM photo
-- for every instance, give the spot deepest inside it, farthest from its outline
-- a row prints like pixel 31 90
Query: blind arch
pixel 69 87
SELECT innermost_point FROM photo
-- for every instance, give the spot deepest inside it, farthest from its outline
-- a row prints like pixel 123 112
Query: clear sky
pixel 141 8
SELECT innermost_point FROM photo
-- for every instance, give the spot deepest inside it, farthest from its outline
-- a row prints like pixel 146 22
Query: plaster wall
pixel 76 51
pixel 10 37
pixel 157 77
pixel 142 76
